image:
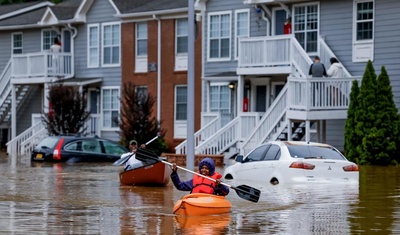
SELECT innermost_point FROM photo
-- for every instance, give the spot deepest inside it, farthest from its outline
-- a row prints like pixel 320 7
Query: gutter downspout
pixel 158 67
pixel 268 12
pixel 74 35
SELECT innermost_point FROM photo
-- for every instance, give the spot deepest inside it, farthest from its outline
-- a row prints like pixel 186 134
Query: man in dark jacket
pixel 317 69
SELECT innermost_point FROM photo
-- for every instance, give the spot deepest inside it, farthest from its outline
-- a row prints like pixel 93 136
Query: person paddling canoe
pixel 200 184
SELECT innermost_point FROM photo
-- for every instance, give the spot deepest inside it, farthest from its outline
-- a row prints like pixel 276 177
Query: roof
pixel 140 6
pixel 7 8
pixel 28 18
pixel 31 13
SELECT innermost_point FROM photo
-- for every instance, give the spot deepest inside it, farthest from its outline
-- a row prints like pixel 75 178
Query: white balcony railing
pixel 311 94
pixel 42 64
pixel 25 142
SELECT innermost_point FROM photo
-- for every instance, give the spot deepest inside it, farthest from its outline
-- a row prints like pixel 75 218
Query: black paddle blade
pixel 248 193
pixel 147 156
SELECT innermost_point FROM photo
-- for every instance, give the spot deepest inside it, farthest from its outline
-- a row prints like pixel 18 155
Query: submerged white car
pixel 279 162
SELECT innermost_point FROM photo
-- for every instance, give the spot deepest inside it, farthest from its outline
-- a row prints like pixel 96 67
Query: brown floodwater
pixel 86 198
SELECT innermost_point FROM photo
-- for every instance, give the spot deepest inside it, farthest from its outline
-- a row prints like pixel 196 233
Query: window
pixel 305 26
pixel 93 46
pixel 241 27
pixel 111 44
pixel 274 153
pixel 219 36
pixel 141 64
pixel 141 92
pixel 17 43
pixel 110 107
pixel 48 39
pixel 141 39
pixel 364 20
pixel 181 103
pixel 257 154
pixel 220 98
pixel 181 36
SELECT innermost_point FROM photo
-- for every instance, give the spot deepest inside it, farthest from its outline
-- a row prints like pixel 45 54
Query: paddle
pixel 244 191
pixel 123 160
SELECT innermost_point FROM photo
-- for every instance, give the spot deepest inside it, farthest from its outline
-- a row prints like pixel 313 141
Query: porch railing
pixel 42 64
pixel 25 142
pixel 311 94
pixel 281 50
pixel 213 124
pixel 236 130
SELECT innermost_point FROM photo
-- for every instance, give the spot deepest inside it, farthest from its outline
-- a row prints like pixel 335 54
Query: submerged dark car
pixel 77 149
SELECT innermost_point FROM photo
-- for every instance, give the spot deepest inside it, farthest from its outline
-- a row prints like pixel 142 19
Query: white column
pixel 13 111
pixel 289 132
pixel 307 130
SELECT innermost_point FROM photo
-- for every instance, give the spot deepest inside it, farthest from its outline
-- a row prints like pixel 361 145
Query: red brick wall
pixel 169 78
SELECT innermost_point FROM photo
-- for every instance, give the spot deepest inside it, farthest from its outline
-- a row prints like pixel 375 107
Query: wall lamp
pixel 231 85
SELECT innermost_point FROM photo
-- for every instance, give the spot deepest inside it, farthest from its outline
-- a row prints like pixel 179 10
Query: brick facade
pixel 169 77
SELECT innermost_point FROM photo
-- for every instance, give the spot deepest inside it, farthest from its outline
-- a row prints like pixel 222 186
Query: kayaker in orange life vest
pixel 200 184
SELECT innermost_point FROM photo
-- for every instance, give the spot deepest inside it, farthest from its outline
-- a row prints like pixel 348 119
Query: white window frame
pixel 237 37
pixel 181 58
pixel 363 50
pixel 13 47
pixel 117 102
pixel 220 13
pixel 141 60
pixel 96 61
pixel 180 126
pixel 306 30
pixel 51 40
pixel 220 85
pixel 112 45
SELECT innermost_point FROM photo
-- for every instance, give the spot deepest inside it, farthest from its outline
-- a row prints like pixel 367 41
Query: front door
pixel 276 89
pixel 94 107
pixel 279 21
pixel 66 41
pixel 261 98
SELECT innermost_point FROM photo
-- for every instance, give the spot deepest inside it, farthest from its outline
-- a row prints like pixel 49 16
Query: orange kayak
pixel 202 204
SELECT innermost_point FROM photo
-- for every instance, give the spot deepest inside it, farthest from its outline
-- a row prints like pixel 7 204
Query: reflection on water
pixel 85 198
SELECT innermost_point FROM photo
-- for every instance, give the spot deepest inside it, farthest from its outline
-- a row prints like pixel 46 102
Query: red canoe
pixel 157 174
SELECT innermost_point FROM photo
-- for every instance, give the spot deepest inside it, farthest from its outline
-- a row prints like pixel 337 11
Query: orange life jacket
pixel 203 185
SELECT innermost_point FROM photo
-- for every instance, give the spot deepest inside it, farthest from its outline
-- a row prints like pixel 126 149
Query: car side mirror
pixel 239 158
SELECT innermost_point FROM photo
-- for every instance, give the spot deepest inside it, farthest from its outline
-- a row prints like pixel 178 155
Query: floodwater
pixel 86 198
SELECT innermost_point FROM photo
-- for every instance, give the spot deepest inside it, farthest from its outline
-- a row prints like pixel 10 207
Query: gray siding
pixel 335 133
pixel 211 68
pixel 100 12
pixel 337 27
pixel 34 105
pixel 31 42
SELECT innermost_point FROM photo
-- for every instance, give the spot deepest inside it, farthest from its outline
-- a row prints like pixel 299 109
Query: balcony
pixel 269 55
pixel 319 98
pixel 41 67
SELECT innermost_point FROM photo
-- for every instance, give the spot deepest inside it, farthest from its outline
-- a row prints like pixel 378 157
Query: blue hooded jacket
pixel 188 185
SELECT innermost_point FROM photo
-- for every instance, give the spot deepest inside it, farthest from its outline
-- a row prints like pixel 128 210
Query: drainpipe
pixel 158 67
pixel 268 12
pixel 74 35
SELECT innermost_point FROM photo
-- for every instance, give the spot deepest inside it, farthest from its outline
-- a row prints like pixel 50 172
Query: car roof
pixel 298 143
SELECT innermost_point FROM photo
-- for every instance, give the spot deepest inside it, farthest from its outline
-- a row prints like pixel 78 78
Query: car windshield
pixel 318 152
pixel 49 142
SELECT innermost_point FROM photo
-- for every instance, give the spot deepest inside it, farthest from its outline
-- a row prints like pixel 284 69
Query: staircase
pixel 5 94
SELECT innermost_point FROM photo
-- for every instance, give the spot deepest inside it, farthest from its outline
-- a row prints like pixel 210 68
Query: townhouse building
pixel 255 78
